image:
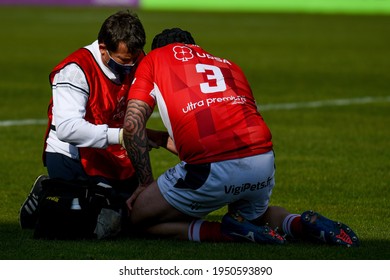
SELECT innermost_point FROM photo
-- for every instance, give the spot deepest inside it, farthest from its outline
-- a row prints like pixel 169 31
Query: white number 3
pixel 216 77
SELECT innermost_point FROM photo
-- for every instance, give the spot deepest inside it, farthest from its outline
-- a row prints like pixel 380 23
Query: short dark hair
pixel 123 26
pixel 173 35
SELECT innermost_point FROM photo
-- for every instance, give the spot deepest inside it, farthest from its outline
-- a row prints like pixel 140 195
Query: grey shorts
pixel 198 189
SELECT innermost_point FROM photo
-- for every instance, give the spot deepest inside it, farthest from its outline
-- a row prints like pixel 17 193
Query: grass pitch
pixel 321 82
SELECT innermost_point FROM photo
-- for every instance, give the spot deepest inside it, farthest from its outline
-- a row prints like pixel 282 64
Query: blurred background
pixel 345 6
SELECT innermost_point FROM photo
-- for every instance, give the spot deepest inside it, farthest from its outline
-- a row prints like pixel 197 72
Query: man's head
pixel 121 40
pixel 169 36
pixel 124 27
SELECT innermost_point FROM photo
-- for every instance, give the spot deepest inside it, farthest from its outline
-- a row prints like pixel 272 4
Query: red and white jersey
pixel 205 103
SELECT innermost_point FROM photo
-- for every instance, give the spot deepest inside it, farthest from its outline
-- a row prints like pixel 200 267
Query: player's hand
pixel 171 146
pixel 152 145
pixel 157 138
pixel 130 201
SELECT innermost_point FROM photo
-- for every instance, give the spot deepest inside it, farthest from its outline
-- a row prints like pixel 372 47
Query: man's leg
pixel 274 216
pixel 309 226
pixel 154 214
pixel 63 167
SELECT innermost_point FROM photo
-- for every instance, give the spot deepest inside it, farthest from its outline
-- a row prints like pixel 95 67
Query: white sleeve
pixel 70 96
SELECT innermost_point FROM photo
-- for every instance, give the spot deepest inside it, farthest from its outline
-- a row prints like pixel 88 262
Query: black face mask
pixel 120 69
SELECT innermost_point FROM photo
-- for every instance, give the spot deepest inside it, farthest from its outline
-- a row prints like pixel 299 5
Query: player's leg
pixel 174 205
pixel 274 216
pixel 319 228
pixel 156 216
pixel 310 226
pixel 153 215
pixel 151 208
pixel 252 197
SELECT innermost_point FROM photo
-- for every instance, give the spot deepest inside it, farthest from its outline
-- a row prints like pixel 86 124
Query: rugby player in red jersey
pixel 225 148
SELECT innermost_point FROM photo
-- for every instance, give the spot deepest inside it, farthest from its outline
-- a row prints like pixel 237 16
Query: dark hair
pixel 169 36
pixel 123 26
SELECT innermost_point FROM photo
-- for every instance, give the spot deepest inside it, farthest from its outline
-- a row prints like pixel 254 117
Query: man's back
pixel 205 102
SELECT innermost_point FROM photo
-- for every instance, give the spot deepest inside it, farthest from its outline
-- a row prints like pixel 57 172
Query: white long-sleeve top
pixel 70 96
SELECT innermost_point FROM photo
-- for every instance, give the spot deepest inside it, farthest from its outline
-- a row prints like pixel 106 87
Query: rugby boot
pixel 239 229
pixel 28 213
pixel 319 228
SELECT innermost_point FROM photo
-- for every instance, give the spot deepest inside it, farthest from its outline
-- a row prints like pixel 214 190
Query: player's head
pixel 123 26
pixel 173 35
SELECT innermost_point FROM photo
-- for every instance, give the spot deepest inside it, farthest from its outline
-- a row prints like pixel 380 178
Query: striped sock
pixel 292 225
pixel 205 231
pixel 194 230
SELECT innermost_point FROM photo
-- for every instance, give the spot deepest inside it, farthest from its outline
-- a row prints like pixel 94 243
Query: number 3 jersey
pixel 205 103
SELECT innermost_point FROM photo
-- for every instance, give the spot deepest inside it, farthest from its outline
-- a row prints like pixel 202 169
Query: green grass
pixel 334 159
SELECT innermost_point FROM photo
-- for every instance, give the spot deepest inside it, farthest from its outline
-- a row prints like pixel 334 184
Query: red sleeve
pixel 143 86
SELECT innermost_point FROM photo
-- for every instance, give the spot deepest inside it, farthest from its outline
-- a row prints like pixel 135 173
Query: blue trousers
pixel 62 167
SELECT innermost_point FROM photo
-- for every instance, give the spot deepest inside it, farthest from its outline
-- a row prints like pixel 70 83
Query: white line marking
pixel 23 122
pixel 323 103
pixel 263 107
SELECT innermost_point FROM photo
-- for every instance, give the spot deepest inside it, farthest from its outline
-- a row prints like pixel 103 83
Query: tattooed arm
pixel 136 140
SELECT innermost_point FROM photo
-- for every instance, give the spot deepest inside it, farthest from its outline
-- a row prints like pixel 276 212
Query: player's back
pixel 209 105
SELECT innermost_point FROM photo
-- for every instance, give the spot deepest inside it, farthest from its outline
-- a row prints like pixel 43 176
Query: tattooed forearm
pixel 136 140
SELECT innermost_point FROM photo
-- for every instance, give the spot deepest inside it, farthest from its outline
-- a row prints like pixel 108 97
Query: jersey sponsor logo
pixel 236 190
pixel 206 55
pixel 183 53
pixel 214 100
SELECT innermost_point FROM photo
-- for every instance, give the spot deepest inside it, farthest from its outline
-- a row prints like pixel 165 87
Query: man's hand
pixel 121 141
pixel 158 139
pixel 130 201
